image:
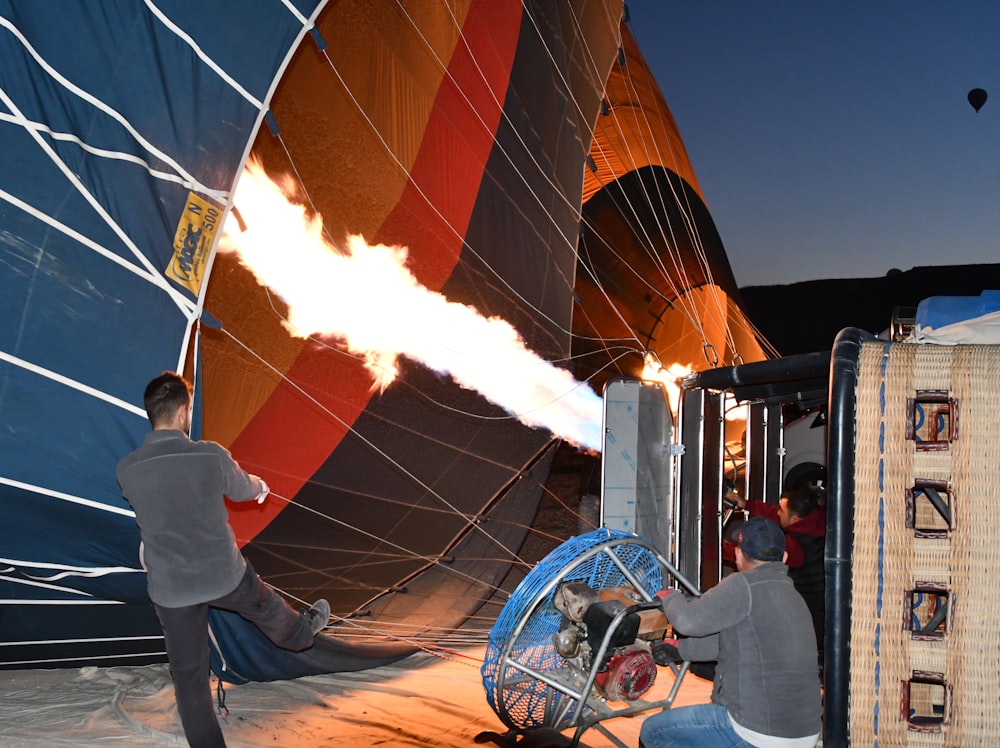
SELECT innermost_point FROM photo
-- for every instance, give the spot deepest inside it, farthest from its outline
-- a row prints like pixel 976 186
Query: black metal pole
pixel 844 362
pixel 787 368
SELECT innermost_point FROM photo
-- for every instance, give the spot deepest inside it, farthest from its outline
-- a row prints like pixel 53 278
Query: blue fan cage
pixel 521 663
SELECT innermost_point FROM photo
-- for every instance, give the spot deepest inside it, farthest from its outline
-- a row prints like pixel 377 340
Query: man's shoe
pixel 318 615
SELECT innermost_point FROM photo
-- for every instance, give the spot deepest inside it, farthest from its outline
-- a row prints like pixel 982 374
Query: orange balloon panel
pixel 653 274
pixel 636 128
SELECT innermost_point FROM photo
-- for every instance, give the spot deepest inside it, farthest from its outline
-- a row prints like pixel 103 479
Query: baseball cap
pixel 762 539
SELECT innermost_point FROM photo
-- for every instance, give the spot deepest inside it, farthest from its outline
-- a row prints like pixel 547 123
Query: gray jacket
pixel 176 485
pixel 759 629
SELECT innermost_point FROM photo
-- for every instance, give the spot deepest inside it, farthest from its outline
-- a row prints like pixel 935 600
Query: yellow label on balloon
pixel 193 242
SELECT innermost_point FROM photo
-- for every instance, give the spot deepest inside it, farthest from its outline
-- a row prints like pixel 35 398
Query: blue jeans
pixel 703 725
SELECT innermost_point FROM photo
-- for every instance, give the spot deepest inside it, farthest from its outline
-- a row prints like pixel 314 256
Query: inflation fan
pixel 575 636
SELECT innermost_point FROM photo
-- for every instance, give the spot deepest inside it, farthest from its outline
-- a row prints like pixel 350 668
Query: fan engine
pixel 626 669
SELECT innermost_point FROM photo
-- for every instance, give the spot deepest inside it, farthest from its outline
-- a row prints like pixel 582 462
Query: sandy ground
pixel 424 700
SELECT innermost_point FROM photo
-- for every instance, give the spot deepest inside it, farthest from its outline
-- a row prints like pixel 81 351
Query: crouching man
pixel 766 691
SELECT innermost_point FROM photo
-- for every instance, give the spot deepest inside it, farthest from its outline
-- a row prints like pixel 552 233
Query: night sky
pixel 834 139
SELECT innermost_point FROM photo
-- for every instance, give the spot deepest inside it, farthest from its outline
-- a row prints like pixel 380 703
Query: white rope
pixel 299 17
pixel 97 104
pixel 203 56
pixel 36 642
pixel 153 274
pixel 52 587
pixel 218 195
pixel 149 275
pixel 41 662
pixel 65 570
pixel 89 503
pixel 72 383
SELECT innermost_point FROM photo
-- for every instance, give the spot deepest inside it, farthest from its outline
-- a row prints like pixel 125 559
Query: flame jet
pixel 367 297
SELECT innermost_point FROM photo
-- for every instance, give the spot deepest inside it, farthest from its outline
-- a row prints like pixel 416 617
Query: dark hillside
pixel 805 317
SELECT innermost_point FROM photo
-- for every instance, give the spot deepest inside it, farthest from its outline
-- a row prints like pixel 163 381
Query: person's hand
pixel 264 491
pixel 666 652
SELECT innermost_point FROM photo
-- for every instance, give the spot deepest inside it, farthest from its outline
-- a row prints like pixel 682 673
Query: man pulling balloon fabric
pixel 176 487
pixel 766 691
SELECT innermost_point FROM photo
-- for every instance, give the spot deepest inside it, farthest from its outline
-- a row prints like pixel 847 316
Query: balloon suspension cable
pixel 711 355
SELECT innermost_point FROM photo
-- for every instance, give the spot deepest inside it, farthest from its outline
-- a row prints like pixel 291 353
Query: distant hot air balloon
pixel 977 97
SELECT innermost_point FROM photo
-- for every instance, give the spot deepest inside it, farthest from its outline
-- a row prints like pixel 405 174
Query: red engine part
pixel 629 674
